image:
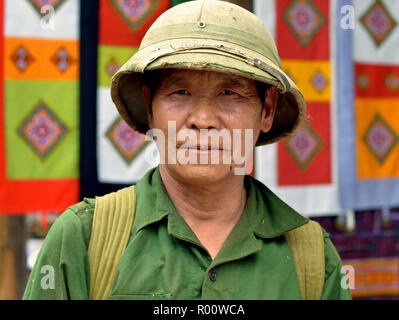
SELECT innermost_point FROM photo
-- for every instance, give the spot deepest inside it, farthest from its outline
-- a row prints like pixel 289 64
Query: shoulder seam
pixel 82 206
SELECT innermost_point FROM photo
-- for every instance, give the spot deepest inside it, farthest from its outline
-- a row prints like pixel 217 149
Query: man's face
pixel 211 112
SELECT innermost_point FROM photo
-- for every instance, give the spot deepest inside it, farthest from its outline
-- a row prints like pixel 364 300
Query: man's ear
pixel 269 108
pixel 146 91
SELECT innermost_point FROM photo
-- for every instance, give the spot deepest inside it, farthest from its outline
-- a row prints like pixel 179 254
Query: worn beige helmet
pixel 215 36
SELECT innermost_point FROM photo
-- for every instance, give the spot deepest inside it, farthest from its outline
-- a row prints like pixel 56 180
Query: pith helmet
pixel 214 36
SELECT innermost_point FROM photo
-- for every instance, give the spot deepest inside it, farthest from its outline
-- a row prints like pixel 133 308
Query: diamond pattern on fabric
pixel 392 82
pixel 378 22
pixel 380 138
pixel 363 81
pixel 127 142
pixel 22 58
pixel 135 12
pixel 319 81
pixel 42 130
pixel 62 59
pixel 304 19
pixel 304 146
pixel 112 67
pixel 38 4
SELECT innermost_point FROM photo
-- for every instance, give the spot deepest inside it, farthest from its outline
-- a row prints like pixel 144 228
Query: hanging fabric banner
pixel 120 149
pixel 39 143
pixel 369 130
pixel 302 169
pixel 113 154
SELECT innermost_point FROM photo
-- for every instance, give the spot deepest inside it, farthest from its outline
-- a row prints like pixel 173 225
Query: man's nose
pixel 203 115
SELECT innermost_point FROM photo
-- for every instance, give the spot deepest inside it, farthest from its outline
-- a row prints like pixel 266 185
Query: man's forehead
pixel 177 76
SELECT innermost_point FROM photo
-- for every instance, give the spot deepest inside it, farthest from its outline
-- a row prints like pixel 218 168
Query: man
pixel 202 229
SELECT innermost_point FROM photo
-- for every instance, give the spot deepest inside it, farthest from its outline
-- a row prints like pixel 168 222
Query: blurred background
pixel 61 138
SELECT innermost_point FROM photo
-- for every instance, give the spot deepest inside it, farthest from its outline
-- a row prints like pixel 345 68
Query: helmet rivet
pixel 201 24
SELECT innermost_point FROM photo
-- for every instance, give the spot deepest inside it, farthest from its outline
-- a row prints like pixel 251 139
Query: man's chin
pixel 200 173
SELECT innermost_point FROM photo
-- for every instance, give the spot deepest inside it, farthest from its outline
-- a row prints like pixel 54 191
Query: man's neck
pixel 211 210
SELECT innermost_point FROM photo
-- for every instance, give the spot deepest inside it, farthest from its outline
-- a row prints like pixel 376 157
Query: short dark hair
pixel 151 79
pixel 262 89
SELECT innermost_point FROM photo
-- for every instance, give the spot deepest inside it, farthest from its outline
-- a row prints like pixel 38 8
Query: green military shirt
pixel 165 260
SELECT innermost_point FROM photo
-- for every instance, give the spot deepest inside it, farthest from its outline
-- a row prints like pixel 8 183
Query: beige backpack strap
pixel 307 245
pixel 112 223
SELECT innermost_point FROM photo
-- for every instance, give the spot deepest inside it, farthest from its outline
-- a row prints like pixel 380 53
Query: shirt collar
pixel 151 199
pixel 267 216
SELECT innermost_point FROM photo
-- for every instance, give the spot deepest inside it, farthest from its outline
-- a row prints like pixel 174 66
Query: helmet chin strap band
pixel 216 49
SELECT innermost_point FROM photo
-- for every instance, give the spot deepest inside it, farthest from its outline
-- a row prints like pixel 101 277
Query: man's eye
pixel 181 92
pixel 228 92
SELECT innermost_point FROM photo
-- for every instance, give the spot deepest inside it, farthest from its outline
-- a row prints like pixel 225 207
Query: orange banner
pixel 37 59
pixel 377 132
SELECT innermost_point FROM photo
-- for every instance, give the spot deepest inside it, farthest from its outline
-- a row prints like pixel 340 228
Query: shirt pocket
pixel 139 296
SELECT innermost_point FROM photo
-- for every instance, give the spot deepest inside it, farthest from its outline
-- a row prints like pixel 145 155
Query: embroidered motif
pixel 304 146
pixel 112 67
pixel 38 4
pixel 135 12
pixel 22 58
pixel 42 130
pixel 380 138
pixel 62 59
pixel 378 22
pixel 127 142
pixel 304 19
pixel 319 81
pixel 363 81
pixel 392 82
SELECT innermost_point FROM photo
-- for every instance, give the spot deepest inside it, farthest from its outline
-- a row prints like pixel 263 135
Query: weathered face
pixel 218 118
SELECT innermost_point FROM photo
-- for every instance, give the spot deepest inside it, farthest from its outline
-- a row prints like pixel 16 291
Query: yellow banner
pixel 311 77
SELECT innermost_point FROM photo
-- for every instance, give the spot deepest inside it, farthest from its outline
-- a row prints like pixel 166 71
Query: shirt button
pixel 212 275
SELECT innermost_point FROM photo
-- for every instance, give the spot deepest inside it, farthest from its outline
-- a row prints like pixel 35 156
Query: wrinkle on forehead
pixel 174 78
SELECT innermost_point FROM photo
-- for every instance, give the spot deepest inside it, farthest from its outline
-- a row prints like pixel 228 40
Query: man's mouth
pixel 201 148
